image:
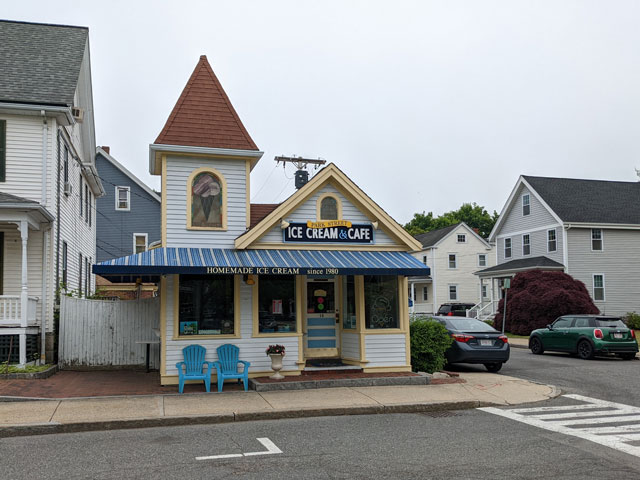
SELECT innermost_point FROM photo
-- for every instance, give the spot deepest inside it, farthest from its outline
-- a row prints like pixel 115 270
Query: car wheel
pixel 585 350
pixel 493 367
pixel 536 346
pixel 628 356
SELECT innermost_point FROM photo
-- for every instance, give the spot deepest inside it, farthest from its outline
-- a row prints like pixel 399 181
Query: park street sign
pixel 333 231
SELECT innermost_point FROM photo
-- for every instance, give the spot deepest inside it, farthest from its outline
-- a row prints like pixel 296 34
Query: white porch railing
pixel 11 312
pixel 483 310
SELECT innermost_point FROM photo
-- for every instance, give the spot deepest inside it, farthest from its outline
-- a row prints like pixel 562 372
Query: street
pixel 460 444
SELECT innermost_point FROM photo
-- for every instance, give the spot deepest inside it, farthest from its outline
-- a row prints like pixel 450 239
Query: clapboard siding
pixel 538 241
pixel 619 262
pixel 307 211
pixel 350 345
pixel 115 228
pixel 251 349
pixel 539 215
pixel 178 171
pixel 386 350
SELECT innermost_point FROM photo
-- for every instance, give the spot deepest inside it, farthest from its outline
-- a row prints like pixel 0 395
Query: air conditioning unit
pixel 78 114
pixel 68 188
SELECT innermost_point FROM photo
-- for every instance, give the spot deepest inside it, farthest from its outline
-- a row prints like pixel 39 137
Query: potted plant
pixel 276 352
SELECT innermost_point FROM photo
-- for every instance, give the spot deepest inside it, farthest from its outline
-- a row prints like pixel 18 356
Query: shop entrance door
pixel 321 337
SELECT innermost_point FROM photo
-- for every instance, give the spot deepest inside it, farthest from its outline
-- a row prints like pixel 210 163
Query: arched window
pixel 207 201
pixel 329 208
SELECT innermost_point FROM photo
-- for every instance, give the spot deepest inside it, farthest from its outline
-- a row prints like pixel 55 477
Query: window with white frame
pixel 453 262
pixel 596 239
pixel 598 287
pixel 453 292
pixel 552 244
pixel 139 242
pixel 424 259
pixel 462 238
pixel 123 197
pixel 526 205
pixel 526 244
pixel 482 260
pixel 507 248
pixel 484 291
pixel 425 294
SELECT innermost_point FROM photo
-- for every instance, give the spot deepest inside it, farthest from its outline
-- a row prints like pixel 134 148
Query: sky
pixel 424 104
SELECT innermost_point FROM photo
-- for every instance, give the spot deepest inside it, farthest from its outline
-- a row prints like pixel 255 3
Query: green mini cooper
pixel 586 336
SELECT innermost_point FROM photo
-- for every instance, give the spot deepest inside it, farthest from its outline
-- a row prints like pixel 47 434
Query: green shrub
pixel 429 341
pixel 632 319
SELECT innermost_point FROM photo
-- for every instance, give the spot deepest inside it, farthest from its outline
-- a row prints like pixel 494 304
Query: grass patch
pixel 27 369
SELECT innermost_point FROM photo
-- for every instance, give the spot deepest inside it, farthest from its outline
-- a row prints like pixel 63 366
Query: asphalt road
pixel 465 444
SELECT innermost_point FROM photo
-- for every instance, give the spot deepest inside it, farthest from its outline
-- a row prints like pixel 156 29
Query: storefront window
pixel 349 298
pixel 381 301
pixel 277 304
pixel 206 305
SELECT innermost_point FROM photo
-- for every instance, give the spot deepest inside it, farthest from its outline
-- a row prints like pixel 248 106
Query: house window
pixel 81 203
pixel 425 294
pixel 64 264
pixel 123 198
pixel 86 203
pixel 484 291
pixel 329 208
pixel 526 244
pixel 462 238
pixel 381 306
pixel 453 292
pixel 206 305
pixel 482 260
pixel 526 207
pixel 90 207
pixel 277 304
pixel 453 262
pixel 139 242
pixel 552 244
pixel 3 150
pixel 65 165
pixel 598 287
pixel 80 276
pixel 596 239
pixel 207 201
pixel 507 248
pixel 424 259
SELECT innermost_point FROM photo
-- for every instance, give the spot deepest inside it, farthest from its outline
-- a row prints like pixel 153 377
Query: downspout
pixel 43 201
pixel 43 197
pixel 565 243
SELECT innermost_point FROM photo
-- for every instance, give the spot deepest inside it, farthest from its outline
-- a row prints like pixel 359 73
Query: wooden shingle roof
pixel 204 115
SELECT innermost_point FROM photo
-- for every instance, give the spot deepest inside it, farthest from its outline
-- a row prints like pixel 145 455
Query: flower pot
pixel 276 366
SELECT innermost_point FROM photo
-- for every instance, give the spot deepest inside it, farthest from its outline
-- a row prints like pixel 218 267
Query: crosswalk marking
pixel 580 420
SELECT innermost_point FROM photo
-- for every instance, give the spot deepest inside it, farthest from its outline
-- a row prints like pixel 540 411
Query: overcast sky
pixel 425 105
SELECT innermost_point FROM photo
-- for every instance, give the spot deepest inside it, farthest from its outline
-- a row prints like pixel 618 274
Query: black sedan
pixel 475 342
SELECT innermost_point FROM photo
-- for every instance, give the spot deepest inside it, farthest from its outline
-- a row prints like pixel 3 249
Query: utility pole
pixel 302 176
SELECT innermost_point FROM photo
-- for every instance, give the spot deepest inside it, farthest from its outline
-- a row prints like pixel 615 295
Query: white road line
pixel 616 437
pixel 270 446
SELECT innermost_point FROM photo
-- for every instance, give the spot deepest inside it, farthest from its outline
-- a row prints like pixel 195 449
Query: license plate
pixel 617 335
pixel 486 343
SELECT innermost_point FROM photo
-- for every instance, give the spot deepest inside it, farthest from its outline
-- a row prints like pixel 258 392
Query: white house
pixel 453 254
pixel 48 182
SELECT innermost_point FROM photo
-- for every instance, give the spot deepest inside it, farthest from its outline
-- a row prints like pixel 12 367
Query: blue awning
pixel 216 261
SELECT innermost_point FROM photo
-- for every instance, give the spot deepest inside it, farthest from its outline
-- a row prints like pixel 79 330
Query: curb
pixel 53 428
pixel 258 386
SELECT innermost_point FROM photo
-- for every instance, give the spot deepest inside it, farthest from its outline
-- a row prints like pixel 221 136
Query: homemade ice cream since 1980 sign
pixel 332 231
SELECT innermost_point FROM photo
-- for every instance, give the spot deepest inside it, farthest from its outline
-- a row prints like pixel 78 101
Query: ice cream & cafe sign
pixel 330 231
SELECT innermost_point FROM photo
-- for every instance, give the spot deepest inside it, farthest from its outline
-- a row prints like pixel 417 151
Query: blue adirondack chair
pixel 227 365
pixel 194 367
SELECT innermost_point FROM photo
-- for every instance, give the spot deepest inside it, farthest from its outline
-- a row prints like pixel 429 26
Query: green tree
pixel 472 214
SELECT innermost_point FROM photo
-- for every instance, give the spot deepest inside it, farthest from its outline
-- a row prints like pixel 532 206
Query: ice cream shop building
pixel 323 273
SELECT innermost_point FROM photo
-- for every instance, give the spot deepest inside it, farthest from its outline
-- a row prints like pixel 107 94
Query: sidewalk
pixel 130 411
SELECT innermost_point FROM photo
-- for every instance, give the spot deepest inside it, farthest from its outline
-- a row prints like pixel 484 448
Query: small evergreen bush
pixel 632 319
pixel 429 341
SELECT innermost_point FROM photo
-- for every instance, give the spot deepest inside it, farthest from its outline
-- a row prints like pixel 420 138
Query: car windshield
pixel 470 325
pixel 610 322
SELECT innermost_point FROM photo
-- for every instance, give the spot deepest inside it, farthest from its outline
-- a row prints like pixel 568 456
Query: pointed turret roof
pixel 204 116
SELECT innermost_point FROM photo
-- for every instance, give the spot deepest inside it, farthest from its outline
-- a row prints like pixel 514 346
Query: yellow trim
pixel 319 205
pixel 163 204
pixel 223 182
pixel 163 326
pixel 237 303
pixel 329 173
pixel 403 285
pixel 309 246
pixel 401 368
pixel 125 288
pixel 248 190
pixel 256 313
pixel 384 331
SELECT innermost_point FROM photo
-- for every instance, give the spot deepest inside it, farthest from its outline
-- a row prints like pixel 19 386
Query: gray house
pixel 128 217
pixel 589 229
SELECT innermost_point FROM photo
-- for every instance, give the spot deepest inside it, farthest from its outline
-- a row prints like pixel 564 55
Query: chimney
pixel 106 149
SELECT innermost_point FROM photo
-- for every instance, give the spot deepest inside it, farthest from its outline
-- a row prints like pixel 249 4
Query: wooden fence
pixel 101 333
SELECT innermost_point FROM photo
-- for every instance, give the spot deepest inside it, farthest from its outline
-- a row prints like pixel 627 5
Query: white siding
pixel 350 345
pixel 386 350
pixel 178 171
pixel 619 262
pixel 307 211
